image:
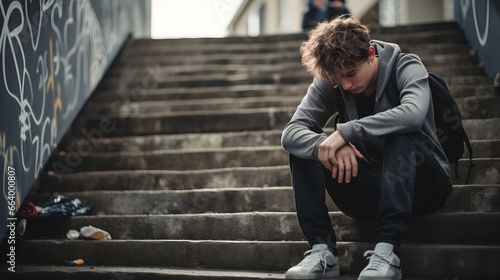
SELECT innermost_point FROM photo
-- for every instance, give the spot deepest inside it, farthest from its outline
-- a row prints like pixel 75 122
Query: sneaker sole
pixel 328 274
pixel 397 277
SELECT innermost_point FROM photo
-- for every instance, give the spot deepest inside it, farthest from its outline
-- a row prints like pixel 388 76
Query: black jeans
pixel 410 181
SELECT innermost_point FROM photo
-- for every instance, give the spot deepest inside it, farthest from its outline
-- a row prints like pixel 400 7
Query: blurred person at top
pixel 321 10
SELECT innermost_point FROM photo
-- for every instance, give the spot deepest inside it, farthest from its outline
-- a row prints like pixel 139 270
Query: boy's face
pixel 361 78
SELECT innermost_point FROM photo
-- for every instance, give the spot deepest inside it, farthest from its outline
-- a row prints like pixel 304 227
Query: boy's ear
pixel 371 53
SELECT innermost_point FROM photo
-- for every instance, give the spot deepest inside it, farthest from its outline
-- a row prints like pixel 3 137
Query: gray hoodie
pixel 303 134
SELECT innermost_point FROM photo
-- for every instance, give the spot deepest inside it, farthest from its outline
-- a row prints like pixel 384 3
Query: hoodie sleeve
pixel 303 134
pixel 415 99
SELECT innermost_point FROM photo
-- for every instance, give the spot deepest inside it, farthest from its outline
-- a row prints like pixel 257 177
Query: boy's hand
pixel 338 157
pixel 347 157
pixel 328 149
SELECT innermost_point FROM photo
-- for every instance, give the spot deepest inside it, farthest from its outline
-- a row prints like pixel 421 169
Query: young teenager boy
pixel 384 160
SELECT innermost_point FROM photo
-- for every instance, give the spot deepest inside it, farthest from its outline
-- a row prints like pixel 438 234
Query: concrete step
pixel 222 80
pixel 473 198
pixel 251 59
pixel 149 82
pixel 484 149
pixel 124 95
pixel 436 228
pixel 165 49
pixel 204 81
pixel 420 260
pixel 436 60
pixel 190 105
pixel 179 159
pixel 66 181
pixel 173 51
pixel 456 70
pixel 425 37
pixel 177 141
pixel 150 75
pixel 199 53
pixel 485 171
pixel 226 121
pixel 156 73
pixel 479 107
pixel 222 57
pixel 263 48
pixel 482 129
pixel 423 27
pixel 471 107
pixel 450 35
pixel 33 272
pixel 436 48
pixel 434 33
pixel 154 202
pixel 59 272
pixel 88 144
pixel 203 158
pixel 200 42
pixel 466 80
pixel 161 72
pixel 439 27
pixel 189 122
pixel 55 272
pixel 464 198
pixel 484 89
pixel 240 44
pixel 143 93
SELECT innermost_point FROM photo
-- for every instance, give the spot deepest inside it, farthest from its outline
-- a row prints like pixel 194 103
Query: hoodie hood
pixel 387 54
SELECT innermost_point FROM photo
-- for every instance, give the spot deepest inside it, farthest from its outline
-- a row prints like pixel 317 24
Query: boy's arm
pixel 415 98
pixel 303 134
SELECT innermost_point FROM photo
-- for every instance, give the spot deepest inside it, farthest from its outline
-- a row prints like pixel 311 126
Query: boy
pixel 384 160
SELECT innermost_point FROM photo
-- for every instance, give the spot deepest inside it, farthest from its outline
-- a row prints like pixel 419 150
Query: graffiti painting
pixel 53 54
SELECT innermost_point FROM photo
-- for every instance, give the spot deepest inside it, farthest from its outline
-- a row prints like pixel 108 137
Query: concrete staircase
pixel 178 154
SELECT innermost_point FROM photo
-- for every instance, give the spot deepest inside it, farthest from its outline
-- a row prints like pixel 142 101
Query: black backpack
pixel 447 118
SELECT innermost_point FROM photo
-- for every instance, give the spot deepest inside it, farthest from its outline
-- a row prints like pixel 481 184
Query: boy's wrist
pixel 340 128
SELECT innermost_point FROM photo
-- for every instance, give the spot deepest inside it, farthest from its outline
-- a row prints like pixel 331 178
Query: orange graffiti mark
pixel 50 88
pixel 50 82
pixel 57 105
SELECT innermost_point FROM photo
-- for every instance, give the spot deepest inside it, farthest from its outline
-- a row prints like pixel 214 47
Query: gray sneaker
pixel 383 264
pixel 320 263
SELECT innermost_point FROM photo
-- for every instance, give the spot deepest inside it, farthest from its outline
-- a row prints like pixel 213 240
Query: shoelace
pixel 376 260
pixel 323 255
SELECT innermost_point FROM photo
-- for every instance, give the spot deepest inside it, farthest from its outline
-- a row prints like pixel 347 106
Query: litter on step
pixel 56 205
pixel 88 232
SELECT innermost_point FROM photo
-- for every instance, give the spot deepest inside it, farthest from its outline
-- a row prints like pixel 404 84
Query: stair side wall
pixel 480 21
pixel 53 54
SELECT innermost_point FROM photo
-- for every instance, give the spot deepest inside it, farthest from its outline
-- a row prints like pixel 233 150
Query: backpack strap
pixel 469 149
pixel 340 115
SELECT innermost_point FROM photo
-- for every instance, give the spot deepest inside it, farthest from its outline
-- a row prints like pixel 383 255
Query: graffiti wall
pixel 480 19
pixel 53 53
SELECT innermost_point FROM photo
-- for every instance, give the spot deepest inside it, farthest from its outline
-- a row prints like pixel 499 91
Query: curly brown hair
pixel 334 45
